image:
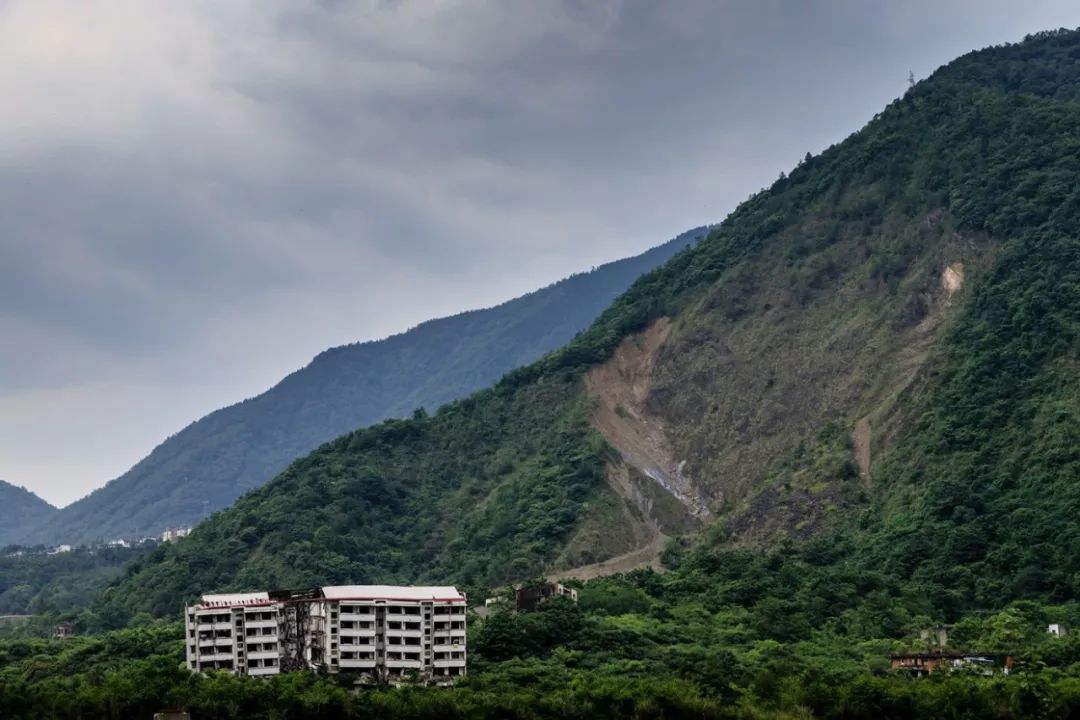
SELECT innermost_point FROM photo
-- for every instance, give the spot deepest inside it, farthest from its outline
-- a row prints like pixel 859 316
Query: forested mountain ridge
pixel 20 510
pixel 213 461
pixel 876 357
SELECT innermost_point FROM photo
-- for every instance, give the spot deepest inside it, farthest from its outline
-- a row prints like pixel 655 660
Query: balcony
pixel 264 670
pixel 357 632
pixel 417 664
pixel 345 642
pixel 404 633
pixel 260 623
pixel 215 657
pixel 262 655
pixel 452 662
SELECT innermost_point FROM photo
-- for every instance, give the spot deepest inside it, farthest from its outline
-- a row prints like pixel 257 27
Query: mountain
pixel 209 464
pixel 20 510
pixel 858 394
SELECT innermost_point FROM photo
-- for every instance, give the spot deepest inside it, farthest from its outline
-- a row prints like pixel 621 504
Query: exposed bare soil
pixel 861 437
pixel 648 556
pixel 621 388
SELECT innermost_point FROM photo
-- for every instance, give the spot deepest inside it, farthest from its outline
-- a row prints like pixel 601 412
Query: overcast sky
pixel 196 197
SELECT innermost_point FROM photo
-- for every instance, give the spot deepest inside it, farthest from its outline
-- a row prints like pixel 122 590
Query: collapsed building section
pixel 383 633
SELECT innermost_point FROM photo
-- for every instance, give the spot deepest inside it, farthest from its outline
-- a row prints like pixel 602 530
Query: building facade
pixel 382 633
pixel 239 632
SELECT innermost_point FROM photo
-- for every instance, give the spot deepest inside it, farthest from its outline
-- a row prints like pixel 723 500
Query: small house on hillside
pixel 172 715
pixel 922 664
pixel 530 597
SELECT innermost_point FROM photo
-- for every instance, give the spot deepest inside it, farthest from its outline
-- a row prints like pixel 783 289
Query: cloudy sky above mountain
pixel 196 197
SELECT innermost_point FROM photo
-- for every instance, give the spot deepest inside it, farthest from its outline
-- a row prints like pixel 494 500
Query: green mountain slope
pixel 20 510
pixel 210 463
pixel 876 357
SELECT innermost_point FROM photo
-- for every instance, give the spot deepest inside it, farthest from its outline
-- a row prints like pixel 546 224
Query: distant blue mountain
pixel 213 461
pixel 20 510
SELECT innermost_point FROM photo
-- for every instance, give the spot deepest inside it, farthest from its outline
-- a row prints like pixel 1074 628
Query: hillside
pixel 20 510
pixel 209 464
pixel 862 386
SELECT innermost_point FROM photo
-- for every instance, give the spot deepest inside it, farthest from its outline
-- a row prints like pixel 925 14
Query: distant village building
pixel 1057 629
pixel 922 664
pixel 64 630
pixel 529 597
pixel 175 534
pixel 172 715
pixel 60 549
pixel 382 633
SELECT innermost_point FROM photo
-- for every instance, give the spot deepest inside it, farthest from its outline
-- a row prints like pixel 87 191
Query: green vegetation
pixel 685 644
pixel 231 451
pixel 33 582
pixel 473 492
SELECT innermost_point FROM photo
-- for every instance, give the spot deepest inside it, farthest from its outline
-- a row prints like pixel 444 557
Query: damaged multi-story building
pixel 382 633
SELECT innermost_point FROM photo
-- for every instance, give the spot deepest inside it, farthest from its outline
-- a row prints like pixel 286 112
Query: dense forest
pixel 209 464
pixel 36 582
pixel 965 514
pixel 691 643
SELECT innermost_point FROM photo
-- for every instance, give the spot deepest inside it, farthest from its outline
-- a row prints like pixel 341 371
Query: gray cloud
pixel 197 197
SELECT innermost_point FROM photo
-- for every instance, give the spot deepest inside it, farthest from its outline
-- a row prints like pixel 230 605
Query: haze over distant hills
pixel 209 464
pixel 20 510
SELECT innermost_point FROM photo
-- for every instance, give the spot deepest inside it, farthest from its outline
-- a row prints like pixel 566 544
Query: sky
pixel 197 197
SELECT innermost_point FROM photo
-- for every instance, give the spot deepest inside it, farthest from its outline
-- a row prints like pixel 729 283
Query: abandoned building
pixel 936 636
pixel 922 664
pixel 529 597
pixel 380 632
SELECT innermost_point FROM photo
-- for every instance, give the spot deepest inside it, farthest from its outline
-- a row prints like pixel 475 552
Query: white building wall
pixel 242 639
